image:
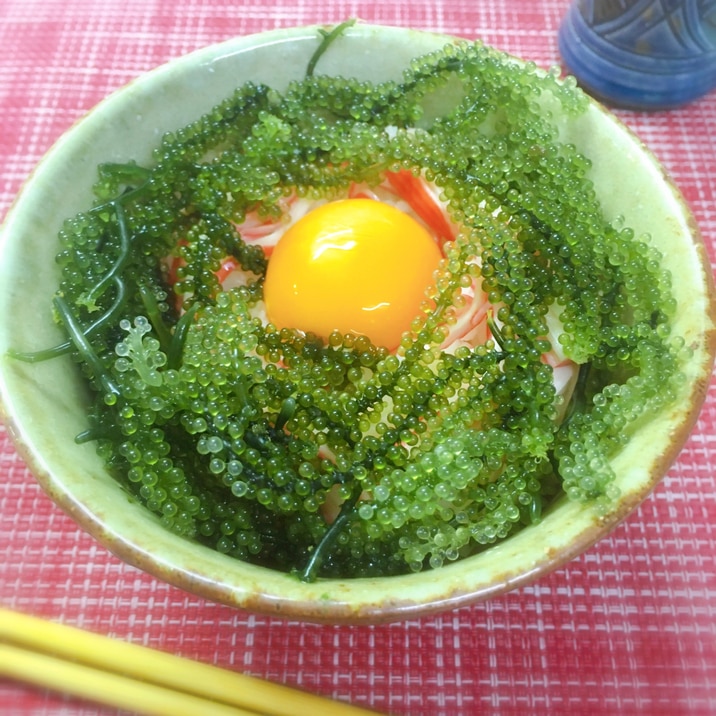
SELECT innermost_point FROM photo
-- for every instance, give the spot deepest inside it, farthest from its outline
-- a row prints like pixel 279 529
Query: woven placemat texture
pixel 629 627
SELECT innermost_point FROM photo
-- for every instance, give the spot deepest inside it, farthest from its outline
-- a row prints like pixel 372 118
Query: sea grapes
pixel 339 458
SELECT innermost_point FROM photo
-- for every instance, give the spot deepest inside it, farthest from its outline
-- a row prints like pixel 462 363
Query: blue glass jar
pixel 642 54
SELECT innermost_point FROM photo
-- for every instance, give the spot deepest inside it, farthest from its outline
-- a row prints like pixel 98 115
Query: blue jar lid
pixel 642 54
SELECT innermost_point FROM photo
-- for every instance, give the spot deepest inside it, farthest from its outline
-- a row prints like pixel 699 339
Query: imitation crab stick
pixel 414 190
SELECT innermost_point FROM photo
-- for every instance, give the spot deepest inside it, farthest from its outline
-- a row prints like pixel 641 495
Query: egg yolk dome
pixel 354 265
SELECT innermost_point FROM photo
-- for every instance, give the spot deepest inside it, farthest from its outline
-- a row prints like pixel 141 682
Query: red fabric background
pixel 629 627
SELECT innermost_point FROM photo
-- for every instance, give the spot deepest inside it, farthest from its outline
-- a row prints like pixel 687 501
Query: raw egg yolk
pixel 354 265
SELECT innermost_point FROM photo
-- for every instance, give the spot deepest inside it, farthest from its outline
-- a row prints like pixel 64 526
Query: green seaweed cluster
pixel 236 434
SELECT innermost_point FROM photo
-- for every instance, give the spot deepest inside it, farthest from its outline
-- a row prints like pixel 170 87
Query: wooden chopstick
pixel 105 687
pixel 140 679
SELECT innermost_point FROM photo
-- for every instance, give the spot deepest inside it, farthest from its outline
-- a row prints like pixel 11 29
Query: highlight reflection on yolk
pixel 354 265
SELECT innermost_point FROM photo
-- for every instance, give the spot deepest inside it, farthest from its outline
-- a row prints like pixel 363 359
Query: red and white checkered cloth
pixel 629 627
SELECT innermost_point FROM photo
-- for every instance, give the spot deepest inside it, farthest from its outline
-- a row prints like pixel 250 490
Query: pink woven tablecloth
pixel 629 627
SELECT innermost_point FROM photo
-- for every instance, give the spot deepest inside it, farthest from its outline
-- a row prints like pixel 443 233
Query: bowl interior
pixel 43 404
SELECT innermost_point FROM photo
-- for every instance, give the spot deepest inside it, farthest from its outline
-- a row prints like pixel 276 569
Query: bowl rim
pixel 351 601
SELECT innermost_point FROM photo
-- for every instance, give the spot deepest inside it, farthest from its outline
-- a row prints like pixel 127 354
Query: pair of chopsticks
pixel 132 677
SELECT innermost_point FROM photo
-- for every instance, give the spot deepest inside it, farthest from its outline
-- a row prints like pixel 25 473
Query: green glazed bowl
pixel 43 405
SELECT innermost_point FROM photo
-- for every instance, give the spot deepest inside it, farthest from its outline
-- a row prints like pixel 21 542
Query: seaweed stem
pixel 66 347
pixel 319 554
pixel 122 259
pixel 328 39
pixel 176 347
pixel 84 347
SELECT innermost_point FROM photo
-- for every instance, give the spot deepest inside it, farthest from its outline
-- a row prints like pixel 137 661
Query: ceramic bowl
pixel 43 404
